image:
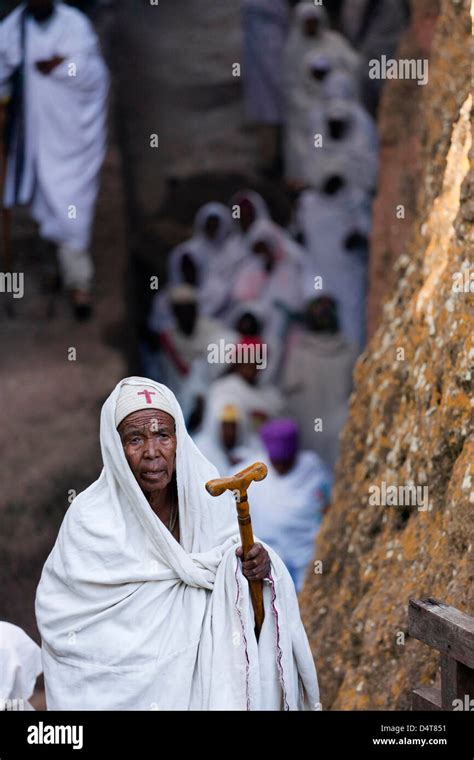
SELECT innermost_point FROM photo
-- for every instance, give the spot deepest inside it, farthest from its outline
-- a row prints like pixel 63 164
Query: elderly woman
pixel 144 603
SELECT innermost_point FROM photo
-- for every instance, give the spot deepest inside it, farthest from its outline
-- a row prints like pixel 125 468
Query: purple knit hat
pixel 280 438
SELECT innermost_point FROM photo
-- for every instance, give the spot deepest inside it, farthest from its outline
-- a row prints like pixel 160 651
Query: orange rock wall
pixel 410 423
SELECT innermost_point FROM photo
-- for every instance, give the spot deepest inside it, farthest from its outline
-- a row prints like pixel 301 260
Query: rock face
pixel 410 424
pixel 400 161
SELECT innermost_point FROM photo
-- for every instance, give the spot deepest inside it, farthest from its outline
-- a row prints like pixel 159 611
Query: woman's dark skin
pixel 149 443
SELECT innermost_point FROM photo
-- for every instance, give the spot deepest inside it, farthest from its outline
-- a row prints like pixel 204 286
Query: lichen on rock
pixel 410 423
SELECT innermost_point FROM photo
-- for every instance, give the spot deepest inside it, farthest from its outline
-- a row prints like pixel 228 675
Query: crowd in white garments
pixel 259 326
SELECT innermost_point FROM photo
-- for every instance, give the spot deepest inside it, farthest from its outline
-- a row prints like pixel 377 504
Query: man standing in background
pixel 52 71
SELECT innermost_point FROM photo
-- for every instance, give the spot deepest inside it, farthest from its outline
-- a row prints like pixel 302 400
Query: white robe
pixel 317 383
pixel 326 222
pixel 209 439
pixel 217 288
pixel 65 119
pixel 20 666
pixel 276 292
pixel 201 248
pixel 130 619
pixel 252 401
pixel 203 252
pixel 302 91
pixel 356 154
pixel 287 510
pixel 328 43
pixel 227 462
pixel 193 350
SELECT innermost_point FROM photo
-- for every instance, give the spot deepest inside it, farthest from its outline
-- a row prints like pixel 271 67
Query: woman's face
pixel 149 443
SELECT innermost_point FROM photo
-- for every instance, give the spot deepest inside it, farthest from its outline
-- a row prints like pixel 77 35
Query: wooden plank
pixel 426 698
pixel 457 682
pixel 442 627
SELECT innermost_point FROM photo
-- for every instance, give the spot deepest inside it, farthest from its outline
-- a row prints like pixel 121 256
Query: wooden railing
pixel 451 632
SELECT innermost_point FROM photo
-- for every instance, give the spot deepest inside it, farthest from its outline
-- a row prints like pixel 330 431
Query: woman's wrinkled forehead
pixel 147 420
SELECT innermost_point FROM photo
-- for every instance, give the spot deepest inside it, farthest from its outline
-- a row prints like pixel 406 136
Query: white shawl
pixel 126 613
pixel 20 665
pixel 356 155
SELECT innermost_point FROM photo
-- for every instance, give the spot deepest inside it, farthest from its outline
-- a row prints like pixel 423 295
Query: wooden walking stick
pixel 239 484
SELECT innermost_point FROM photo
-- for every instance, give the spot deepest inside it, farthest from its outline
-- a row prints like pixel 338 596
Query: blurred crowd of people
pixel 259 326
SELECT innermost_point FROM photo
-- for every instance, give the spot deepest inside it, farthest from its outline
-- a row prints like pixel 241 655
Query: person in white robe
pixel 143 603
pixel 249 318
pixel 185 347
pixel 212 226
pixel 310 33
pixel 245 387
pixel 312 51
pixel 226 440
pixel 287 511
pixel 20 666
pixel 247 207
pixel 191 261
pixel 56 138
pixel 341 137
pixel 317 379
pixel 265 28
pixel 270 277
pixel 334 222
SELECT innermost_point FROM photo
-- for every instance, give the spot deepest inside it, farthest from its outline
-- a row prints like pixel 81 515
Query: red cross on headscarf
pixel 148 395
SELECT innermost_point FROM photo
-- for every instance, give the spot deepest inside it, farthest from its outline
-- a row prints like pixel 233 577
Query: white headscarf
pixel 265 231
pixel 356 154
pixel 200 248
pixel 280 287
pixel 225 221
pixel 327 42
pixel 306 10
pixel 306 93
pixel 215 297
pixel 124 610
